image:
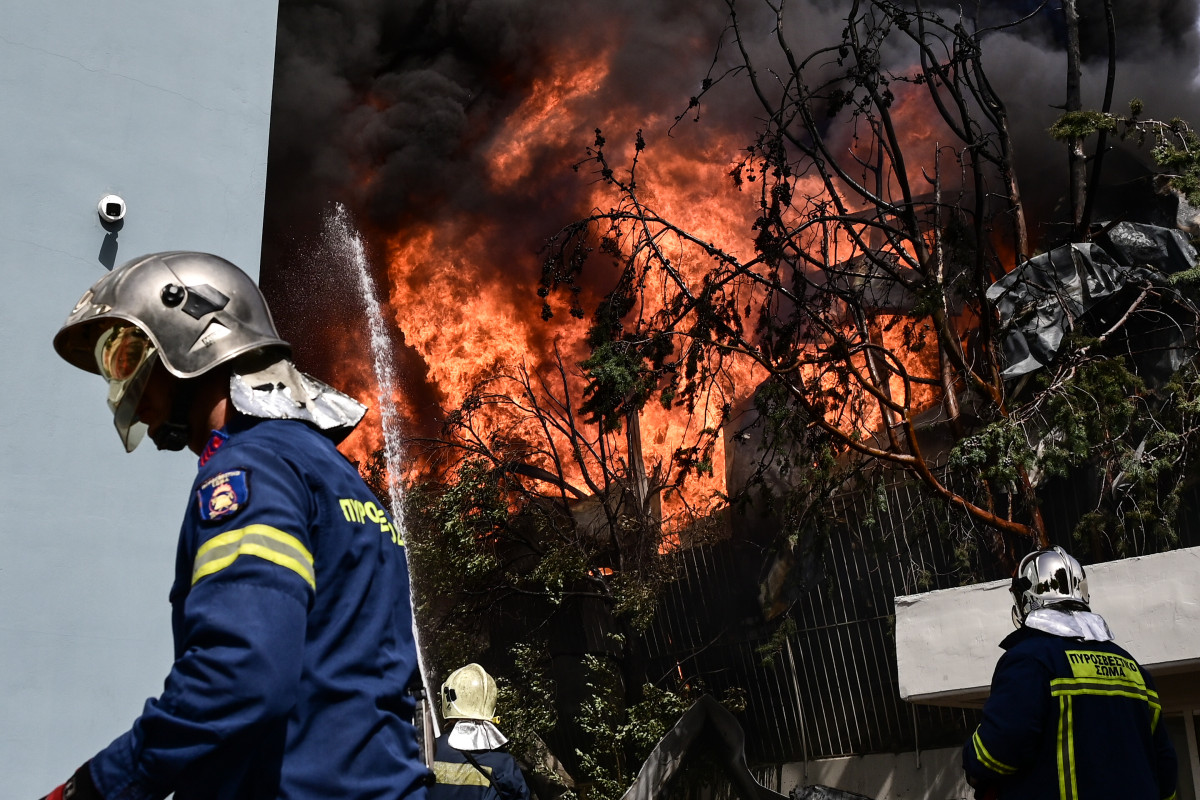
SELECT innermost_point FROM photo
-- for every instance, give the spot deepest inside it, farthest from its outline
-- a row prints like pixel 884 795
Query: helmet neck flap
pixel 270 387
pixel 475 734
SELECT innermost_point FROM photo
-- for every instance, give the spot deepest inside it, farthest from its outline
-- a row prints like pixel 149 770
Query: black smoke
pixel 408 92
pixel 388 105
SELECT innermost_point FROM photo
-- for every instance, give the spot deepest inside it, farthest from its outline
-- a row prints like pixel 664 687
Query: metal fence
pixel 828 687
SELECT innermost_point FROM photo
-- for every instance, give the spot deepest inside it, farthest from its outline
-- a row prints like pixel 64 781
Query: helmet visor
pixel 126 357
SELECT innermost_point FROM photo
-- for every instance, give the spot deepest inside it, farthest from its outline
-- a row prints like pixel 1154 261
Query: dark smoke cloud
pixel 409 91
pixel 388 105
pixel 1158 52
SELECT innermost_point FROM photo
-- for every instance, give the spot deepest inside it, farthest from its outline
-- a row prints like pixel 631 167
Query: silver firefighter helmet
pixel 191 311
pixel 1046 578
pixel 197 309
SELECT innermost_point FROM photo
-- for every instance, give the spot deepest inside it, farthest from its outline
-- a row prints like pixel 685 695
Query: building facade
pixel 167 106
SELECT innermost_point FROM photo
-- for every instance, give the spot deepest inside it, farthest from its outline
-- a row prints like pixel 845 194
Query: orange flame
pixel 469 318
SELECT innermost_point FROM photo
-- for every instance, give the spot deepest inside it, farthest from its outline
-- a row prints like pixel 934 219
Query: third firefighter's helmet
pixel 469 693
pixel 1045 578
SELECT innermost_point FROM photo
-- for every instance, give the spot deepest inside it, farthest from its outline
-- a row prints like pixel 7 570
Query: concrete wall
pixel 166 103
pixel 937 774
pixel 929 775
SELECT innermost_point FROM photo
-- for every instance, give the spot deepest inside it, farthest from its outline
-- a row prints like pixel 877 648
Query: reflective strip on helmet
pixel 460 774
pixel 989 761
pixel 262 541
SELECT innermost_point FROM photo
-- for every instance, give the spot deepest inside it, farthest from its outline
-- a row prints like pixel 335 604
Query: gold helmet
pixel 469 693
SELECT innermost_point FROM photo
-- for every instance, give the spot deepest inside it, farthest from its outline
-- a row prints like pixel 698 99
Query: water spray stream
pixel 343 238
pixel 345 242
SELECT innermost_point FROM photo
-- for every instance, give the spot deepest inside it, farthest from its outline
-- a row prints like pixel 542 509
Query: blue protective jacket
pixel 1069 719
pixel 456 778
pixel 293 636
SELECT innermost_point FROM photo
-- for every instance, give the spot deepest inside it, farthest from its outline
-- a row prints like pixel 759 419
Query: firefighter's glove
pixel 79 787
pixel 988 792
pixel 983 790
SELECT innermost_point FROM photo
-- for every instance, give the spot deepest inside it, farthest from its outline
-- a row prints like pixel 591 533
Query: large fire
pixel 469 319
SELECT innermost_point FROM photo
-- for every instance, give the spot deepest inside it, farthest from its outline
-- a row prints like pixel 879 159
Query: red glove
pixel 79 787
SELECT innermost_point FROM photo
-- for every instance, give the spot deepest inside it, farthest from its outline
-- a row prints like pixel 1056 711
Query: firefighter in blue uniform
pixel 471 763
pixel 294 653
pixel 1071 715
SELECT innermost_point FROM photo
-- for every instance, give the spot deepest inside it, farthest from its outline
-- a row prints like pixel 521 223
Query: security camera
pixel 111 208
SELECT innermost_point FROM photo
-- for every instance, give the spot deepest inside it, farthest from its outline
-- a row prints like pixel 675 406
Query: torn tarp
pixel 1164 249
pixel 1083 287
pixel 709 728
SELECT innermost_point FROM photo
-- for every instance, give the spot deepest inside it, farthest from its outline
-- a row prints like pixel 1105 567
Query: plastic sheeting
pixel 1088 287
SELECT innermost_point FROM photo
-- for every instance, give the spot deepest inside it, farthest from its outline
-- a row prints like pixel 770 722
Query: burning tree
pixel 864 303
pixel 546 546
pixel 853 335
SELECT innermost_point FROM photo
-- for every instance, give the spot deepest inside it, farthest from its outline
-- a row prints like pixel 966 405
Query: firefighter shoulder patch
pixel 224 494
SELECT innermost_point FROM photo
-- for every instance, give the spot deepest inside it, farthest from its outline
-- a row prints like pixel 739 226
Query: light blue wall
pixel 167 104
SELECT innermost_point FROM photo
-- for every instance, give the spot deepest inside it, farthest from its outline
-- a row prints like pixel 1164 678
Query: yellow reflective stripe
pixel 1104 691
pixel 987 759
pixel 1132 684
pixel 1068 787
pixel 261 541
pixel 460 774
pixel 1109 687
pixel 1101 686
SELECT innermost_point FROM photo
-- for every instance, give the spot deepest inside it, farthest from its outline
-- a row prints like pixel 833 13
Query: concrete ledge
pixel 928 775
pixel 947 641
